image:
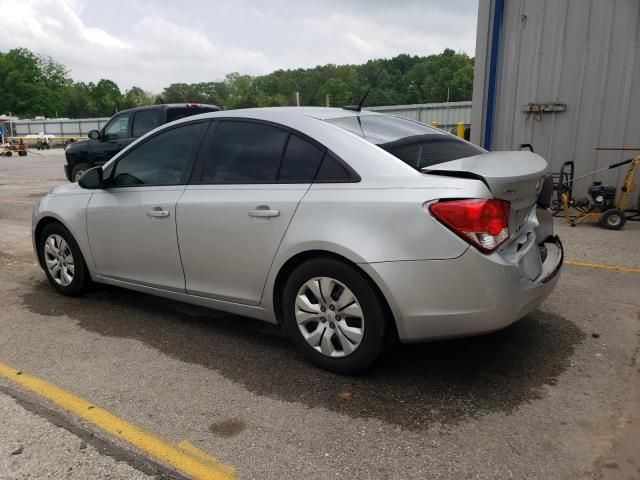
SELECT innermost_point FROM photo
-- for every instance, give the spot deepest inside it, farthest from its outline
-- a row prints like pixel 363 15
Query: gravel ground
pixel 548 398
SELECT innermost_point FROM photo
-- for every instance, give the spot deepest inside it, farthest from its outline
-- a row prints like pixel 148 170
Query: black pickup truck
pixel 122 129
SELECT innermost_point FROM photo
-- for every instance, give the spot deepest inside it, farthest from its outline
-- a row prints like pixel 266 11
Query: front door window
pixel 117 128
pixel 161 160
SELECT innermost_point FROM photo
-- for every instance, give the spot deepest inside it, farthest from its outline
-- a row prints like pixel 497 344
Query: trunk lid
pixel 512 176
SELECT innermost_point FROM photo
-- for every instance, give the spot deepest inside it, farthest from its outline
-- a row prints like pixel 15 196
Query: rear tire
pixel 342 330
pixel 613 219
pixel 62 260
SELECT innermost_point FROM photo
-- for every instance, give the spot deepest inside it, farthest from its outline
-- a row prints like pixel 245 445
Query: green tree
pixel 205 92
pixel 33 85
pixel 339 92
pixel 107 97
pixel 136 97
pixel 448 70
pixel 79 102
pixel 241 91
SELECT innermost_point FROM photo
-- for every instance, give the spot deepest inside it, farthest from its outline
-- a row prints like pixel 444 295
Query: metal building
pixel 562 75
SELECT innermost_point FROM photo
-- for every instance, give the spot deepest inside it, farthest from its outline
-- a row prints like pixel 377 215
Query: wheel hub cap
pixel 329 317
pixel 59 260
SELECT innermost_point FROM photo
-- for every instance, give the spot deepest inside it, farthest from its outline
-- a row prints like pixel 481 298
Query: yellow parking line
pixel 204 457
pixel 185 457
pixel 602 265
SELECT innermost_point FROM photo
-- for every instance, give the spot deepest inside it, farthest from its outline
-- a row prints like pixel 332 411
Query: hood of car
pixel 78 145
pixel 67 189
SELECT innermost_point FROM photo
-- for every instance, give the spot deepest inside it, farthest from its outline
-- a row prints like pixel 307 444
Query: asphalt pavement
pixel 32 446
pixel 552 397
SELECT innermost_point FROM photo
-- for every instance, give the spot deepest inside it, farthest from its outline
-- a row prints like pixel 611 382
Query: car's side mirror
pixel 94 134
pixel 92 179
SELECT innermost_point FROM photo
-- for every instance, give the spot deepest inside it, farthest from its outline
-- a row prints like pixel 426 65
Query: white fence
pixel 60 127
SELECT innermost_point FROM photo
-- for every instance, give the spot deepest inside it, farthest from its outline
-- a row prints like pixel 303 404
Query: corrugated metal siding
pixel 584 53
pixel 446 114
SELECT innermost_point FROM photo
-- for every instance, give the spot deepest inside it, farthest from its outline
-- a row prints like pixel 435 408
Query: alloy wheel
pixel 329 317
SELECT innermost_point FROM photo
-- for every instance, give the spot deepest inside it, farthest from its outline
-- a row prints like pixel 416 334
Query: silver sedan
pixel 350 229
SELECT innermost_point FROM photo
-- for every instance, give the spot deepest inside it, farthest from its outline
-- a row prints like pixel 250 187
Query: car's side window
pixel 162 160
pixel 144 121
pixel 334 171
pixel 117 128
pixel 244 152
pixel 301 161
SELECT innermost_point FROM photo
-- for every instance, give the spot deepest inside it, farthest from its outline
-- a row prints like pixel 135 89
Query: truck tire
pixel 78 170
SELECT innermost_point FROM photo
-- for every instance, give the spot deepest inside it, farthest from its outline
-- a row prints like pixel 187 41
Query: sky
pixel 153 43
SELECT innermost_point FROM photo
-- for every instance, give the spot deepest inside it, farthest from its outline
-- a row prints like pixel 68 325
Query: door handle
pixel 158 212
pixel 263 211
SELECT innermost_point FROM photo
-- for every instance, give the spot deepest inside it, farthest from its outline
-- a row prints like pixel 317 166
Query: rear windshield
pixel 415 143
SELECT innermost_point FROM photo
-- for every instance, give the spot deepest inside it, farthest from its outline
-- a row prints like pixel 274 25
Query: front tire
pixel 335 317
pixel 63 262
pixel 78 170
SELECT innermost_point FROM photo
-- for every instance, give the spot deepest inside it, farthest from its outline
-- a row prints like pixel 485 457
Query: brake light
pixel 192 105
pixel 482 222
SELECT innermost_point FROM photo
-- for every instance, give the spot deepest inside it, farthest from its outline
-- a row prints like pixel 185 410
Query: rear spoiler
pixel 509 175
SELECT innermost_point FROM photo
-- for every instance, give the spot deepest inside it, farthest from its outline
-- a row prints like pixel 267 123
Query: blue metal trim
pixel 498 12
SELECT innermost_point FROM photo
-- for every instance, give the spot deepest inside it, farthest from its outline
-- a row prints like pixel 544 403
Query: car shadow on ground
pixel 414 386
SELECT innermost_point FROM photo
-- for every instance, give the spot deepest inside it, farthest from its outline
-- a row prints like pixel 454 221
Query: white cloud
pixel 153 44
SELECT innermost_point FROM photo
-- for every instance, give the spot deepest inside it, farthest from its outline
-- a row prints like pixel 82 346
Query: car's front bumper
pixel 468 295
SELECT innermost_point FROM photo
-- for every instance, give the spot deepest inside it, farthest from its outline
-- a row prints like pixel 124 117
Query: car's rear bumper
pixel 468 295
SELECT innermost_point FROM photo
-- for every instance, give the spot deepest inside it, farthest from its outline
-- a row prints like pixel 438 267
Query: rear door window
pixel 414 143
pixel 244 152
pixel 144 121
pixel 333 170
pixel 301 161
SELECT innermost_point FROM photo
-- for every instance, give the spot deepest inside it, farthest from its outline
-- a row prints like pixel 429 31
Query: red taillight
pixel 192 105
pixel 482 222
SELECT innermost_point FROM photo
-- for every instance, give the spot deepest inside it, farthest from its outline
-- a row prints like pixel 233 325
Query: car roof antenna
pixel 358 108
